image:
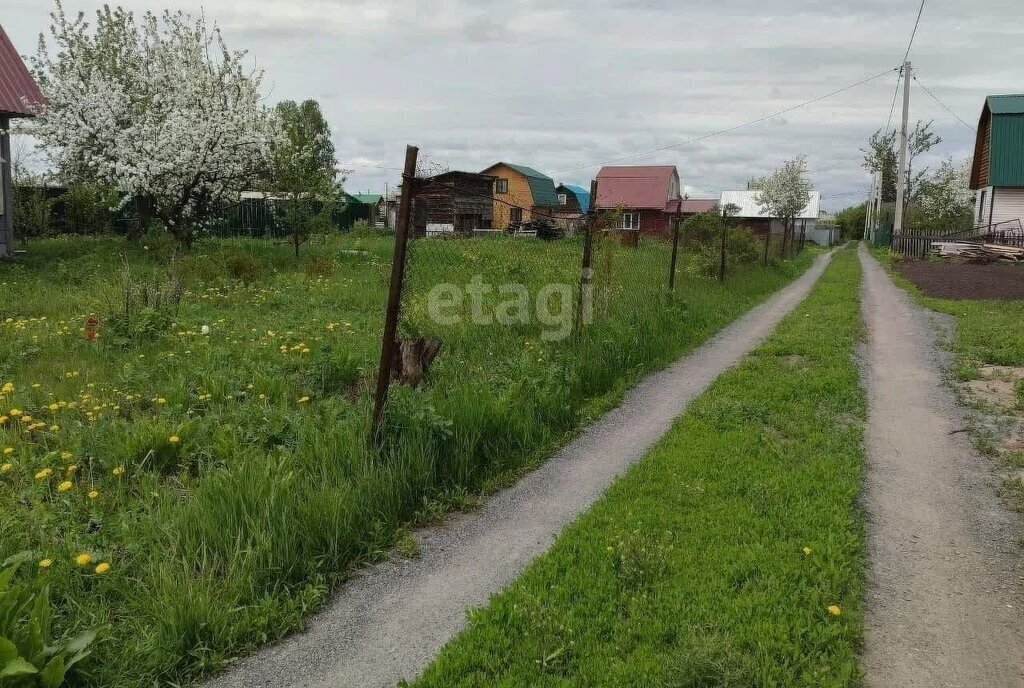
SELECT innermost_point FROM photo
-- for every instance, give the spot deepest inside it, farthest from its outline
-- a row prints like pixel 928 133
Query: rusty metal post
pixel 388 341
pixel 585 307
pixel 675 252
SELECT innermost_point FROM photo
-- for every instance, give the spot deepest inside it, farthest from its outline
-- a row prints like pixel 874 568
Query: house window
pixel 501 186
pixel 562 199
pixel 981 205
pixel 515 216
pixel 631 220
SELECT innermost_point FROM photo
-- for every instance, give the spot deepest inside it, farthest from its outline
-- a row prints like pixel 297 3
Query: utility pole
pixel 901 172
pixel 869 206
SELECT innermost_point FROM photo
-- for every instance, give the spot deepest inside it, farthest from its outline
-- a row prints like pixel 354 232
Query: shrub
pixel 148 306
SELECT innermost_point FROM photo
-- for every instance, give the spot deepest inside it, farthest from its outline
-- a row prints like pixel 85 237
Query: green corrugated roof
pixel 541 186
pixel 1006 162
pixel 1006 105
pixel 368 199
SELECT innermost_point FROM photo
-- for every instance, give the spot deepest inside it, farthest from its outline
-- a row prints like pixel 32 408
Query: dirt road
pixel 390 622
pixel 945 599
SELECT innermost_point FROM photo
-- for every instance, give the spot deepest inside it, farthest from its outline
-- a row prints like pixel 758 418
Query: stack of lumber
pixel 978 253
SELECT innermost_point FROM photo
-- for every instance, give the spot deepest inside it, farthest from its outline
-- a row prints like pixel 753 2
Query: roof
pixel 639 186
pixel 699 205
pixel 16 84
pixel 582 195
pixel 368 199
pixel 751 209
pixel 1002 122
pixel 1011 104
pixel 542 187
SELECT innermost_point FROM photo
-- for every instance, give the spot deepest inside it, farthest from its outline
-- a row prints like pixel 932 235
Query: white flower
pixel 205 329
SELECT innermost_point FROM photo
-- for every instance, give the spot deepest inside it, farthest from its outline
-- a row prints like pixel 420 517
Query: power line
pixel 727 130
pixel 944 106
pixel 914 32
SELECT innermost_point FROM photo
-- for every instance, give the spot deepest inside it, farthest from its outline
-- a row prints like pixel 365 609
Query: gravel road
pixel 390 621
pixel 945 597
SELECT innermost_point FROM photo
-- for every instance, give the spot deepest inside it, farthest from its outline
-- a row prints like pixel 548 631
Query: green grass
pixel 987 332
pixel 228 537
pixel 691 570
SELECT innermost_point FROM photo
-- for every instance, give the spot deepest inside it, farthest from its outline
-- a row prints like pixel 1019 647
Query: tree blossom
pixel 159 109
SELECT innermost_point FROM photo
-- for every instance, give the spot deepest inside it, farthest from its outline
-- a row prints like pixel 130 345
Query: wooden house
pixel 459 202
pixel 520 194
pixel 997 173
pixel 376 205
pixel 573 205
pixel 19 97
pixel 647 195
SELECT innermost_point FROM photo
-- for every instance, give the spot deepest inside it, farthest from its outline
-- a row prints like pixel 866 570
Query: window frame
pixel 563 199
pixel 501 185
pixel 634 220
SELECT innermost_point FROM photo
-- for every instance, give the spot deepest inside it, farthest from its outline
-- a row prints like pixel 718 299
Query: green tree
pixel 881 155
pixel 943 202
pixel 303 168
pixel 784 194
pixel 851 221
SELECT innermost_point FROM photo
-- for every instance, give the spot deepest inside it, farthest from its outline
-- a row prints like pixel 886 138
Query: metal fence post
pixel 388 342
pixel 675 251
pixel 585 308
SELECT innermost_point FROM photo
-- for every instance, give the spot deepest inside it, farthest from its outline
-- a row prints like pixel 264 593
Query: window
pixel 981 205
pixel 501 186
pixel 562 199
pixel 515 216
pixel 630 220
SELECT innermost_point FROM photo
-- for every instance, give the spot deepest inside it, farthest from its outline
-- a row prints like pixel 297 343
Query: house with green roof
pixel 997 173
pixel 377 213
pixel 520 194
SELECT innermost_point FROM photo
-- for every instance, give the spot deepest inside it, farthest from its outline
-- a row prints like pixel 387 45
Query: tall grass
pixel 235 484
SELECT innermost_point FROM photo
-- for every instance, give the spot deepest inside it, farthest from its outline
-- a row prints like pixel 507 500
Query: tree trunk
pixel 142 218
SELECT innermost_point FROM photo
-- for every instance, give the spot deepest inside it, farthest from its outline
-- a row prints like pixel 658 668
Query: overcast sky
pixel 564 86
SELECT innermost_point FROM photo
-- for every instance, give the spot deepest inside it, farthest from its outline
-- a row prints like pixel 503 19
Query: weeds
pixel 220 462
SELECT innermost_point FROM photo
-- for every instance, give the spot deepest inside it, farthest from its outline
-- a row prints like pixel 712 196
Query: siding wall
pixel 1008 205
pixel 7 191
pixel 518 193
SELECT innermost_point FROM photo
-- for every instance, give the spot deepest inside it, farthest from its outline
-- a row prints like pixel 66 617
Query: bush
pixel 244 267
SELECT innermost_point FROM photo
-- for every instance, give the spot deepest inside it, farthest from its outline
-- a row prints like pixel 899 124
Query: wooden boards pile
pixel 978 253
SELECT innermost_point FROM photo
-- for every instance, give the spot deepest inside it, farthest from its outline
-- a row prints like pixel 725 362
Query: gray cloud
pixel 564 86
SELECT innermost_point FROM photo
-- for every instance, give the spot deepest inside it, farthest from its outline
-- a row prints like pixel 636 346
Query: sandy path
pixel 945 599
pixel 390 622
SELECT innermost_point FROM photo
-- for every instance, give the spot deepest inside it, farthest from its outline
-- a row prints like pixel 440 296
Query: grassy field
pixel 197 476
pixel 731 556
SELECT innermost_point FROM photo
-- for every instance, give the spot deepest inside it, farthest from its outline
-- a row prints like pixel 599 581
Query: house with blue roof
pixel 520 194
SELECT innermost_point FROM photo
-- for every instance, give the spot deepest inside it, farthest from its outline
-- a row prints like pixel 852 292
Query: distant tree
pixel 881 155
pixel 303 168
pixel 160 110
pixel 851 221
pixel 943 201
pixel 785 193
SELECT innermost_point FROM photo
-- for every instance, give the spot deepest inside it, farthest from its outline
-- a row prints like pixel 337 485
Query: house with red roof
pixel 19 97
pixel 647 195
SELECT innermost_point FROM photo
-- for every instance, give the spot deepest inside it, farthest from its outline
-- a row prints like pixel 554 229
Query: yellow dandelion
pixel 14 413
pixel 834 610
pixel 102 568
pixel 303 400
pixel 45 563
pixel 65 486
pixel 161 400
pixel 119 471
pixel 93 494
pixel 174 439
pixel 43 474
pixel 8 451
pixel 72 468
pixel 807 551
pixel 83 559
pixel 66 455
pixel 5 468
pixel 26 419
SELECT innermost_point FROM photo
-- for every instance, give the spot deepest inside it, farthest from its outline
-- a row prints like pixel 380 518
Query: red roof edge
pixel 19 94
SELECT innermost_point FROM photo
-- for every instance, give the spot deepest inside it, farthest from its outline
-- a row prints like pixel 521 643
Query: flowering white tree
pixel 159 109
pixel 785 192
